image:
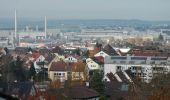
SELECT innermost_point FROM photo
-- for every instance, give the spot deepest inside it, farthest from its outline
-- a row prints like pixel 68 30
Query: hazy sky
pixel 87 9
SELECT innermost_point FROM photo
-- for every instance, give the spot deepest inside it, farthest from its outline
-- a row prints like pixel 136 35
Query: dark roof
pixel 159 58
pixel 122 76
pixel 49 58
pixel 112 78
pixel 58 50
pixel 138 58
pixel 119 57
pixel 109 50
pixel 61 66
pixel 44 51
pixel 111 87
pixel 83 93
pixel 21 50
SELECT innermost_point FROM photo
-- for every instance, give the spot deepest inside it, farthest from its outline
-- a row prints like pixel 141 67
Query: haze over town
pixel 84 50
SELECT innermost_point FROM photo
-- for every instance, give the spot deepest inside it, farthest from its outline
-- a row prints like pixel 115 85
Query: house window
pixel 69 73
pixel 59 74
pixel 93 66
pixel 101 53
pixel 55 74
pixel 118 67
pixel 114 61
pixel 123 62
pixel 131 62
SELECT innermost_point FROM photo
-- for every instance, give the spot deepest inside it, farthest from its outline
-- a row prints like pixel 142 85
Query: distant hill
pixel 22 22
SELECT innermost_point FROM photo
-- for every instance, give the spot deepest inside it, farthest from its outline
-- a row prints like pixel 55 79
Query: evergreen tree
pixel 78 51
pixel 6 50
pixel 161 38
pixel 32 71
pixel 96 82
pixel 87 53
pixel 18 70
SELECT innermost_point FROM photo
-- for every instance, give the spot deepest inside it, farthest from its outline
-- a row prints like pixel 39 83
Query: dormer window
pixel 101 53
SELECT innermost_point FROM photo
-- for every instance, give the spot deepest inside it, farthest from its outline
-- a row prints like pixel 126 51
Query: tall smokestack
pixel 15 35
pixel 45 27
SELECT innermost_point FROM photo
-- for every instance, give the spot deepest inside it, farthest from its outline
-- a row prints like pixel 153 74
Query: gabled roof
pixel 35 55
pixel 119 77
pixel 88 59
pixel 115 86
pixel 101 53
pixel 49 58
pixel 99 60
pixel 21 50
pixel 58 50
pixel 124 50
pixel 61 66
pixel 44 51
pixel 109 50
pixel 91 63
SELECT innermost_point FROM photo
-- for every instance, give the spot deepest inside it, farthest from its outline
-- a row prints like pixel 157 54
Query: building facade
pixel 141 66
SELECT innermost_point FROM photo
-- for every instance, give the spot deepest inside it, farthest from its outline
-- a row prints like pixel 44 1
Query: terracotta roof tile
pixel 61 66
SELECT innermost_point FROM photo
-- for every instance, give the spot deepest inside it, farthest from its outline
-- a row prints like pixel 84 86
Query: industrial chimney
pixel 15 35
pixel 45 27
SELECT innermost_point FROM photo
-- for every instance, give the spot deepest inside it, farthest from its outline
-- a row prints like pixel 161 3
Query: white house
pixel 39 62
pixel 101 53
pixel 70 59
pixel 91 66
pixel 88 60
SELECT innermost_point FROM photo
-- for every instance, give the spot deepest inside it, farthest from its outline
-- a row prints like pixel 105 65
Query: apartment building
pixel 144 67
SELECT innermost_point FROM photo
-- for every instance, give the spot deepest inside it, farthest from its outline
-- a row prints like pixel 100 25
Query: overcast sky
pixel 87 9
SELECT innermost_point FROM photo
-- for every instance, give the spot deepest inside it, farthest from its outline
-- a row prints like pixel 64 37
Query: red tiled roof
pixel 35 55
pixel 100 59
pixel 61 66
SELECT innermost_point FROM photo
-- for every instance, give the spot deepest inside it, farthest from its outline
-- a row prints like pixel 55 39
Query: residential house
pixel 42 61
pixel 39 63
pixel 108 49
pixel 147 51
pixel 118 85
pixel 58 50
pixel 61 71
pixel 78 71
pixel 2 52
pixel 123 51
pixel 70 59
pixel 101 53
pixel 91 66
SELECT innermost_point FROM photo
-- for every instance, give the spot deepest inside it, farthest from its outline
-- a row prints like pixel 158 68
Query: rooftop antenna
pixel 45 27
